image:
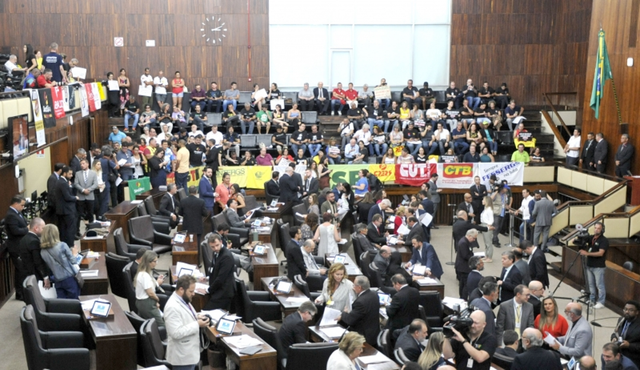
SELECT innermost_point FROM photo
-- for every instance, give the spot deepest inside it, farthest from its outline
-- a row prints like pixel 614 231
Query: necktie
pixel 173 205
pixel 85 176
pixel 320 95
pixel 624 330
pixel 518 315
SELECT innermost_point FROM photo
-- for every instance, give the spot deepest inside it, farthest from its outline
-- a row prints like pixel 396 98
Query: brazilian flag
pixel 602 74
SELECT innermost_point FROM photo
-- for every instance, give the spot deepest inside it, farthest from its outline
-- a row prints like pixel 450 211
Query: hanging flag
pixel 90 99
pixel 84 101
pixel 58 101
pixel 37 117
pixel 602 74
pixel 46 103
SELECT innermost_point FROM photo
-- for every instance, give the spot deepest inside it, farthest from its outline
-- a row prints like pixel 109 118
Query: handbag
pixel 77 275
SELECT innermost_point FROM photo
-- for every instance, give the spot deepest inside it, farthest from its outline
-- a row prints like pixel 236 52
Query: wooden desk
pixel 156 194
pixel 315 335
pixel 288 307
pixel 404 252
pixel 103 244
pixel 283 208
pixel 115 339
pixel 267 359
pixel 121 214
pixel 95 284
pixel 198 301
pixel 269 236
pixel 186 251
pixel 352 268
pixel 426 287
pixel 263 266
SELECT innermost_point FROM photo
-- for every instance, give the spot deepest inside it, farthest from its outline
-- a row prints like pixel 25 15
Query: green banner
pixel 138 186
pixel 346 172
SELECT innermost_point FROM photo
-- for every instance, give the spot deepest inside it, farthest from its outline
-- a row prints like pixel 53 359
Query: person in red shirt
pixel 337 97
pixel 44 80
pixel 351 94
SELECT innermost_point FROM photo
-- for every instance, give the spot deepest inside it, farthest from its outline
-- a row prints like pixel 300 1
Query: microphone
pixel 595 323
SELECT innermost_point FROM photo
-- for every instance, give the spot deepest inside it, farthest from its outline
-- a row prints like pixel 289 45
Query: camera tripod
pixel 584 293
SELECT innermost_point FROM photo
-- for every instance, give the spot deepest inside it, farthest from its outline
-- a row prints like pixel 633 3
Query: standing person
pixel 404 305
pixel 600 155
pixel 98 193
pixel 337 289
pixel 549 321
pixel 147 302
pixel 52 181
pixel 478 192
pixel 596 249
pixel 109 176
pixel 364 315
pixel 588 153
pixel 177 90
pixel 32 261
pixel 535 357
pixel 542 213
pixel 515 314
pixel 624 156
pixel 487 220
pixel 183 326
pixel 182 165
pixel 525 209
pixel 627 332
pixel 61 260
pixel 464 250
pixel 146 88
pixel 222 284
pixel 475 352
pixel 435 197
pixel 66 207
pixel 577 341
pixel 53 61
pixel 86 181
pixel 16 228
pixel 572 149
pixel 294 326
pixel 160 82
pixel 205 188
pixel 327 235
pixel 537 263
pixel 193 210
pixel 169 205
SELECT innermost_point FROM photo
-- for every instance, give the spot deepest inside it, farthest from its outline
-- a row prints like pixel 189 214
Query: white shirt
pixel 148 89
pixel 532 252
pixel 196 133
pixel 161 85
pixel 486 217
pixel 524 208
pixel 365 137
pixel 144 282
pixel 10 67
pixel 444 134
pixel 574 142
pixel 218 137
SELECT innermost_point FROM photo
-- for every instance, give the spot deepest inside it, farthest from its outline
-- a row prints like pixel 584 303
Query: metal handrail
pixel 553 108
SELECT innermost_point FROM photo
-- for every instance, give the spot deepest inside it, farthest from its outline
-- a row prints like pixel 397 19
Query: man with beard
pixel 183 325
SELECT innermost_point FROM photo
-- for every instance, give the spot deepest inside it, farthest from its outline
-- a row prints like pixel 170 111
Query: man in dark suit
pixel 295 260
pixel 627 332
pixel 478 192
pixel 169 205
pixel 624 155
pixel 322 98
pixel 411 338
pixel 404 305
pixel 468 207
pixel 288 187
pixel 205 188
pixel 462 225
pixel 379 209
pixel 537 263
pixel 535 357
pixel 32 261
pixel 16 228
pixel 425 254
pixel 490 291
pixel 74 163
pixel 273 187
pixel 361 237
pixel 509 278
pixel 221 281
pixel 476 264
pixel 375 232
pixel 66 207
pixel 192 210
pixel 427 205
pixel 588 153
pixel 464 250
pixel 510 339
pixel 415 231
pixel 600 154
pixel 52 182
pixel 310 185
pixel 365 311
pixel 611 353
pixel 294 326
pixel 536 290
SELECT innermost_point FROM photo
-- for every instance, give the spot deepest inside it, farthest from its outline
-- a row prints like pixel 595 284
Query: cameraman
pixel 595 248
pixel 474 353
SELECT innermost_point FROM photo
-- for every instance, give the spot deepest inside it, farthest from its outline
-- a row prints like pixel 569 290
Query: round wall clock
pixel 213 30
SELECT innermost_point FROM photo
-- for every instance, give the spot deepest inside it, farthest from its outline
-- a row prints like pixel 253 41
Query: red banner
pixel 90 99
pixel 58 102
pixel 415 174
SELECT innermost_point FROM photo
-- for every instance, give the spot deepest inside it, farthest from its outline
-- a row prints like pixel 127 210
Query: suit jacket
pixel 91 184
pixel 464 250
pixel 16 228
pixel 325 93
pixel 167 207
pixel 74 164
pixel 625 155
pixel 429 259
pixel 298 181
pixel 326 206
pixel 484 306
pixel 234 219
pixel 313 186
pixel 428 206
pixel 403 308
pixel 205 189
pixel 523 267
pixel 507 318
pixel 376 234
pixel 52 182
pixel 537 358
pixel 292 331
pixel 538 267
pixel 416 231
pixel 32 261
pixel 588 151
pixel 600 153
pixel 295 261
pixel 464 207
pixel 535 302
pixel 364 316
pixel 273 188
pixel 221 281
pixel 376 210
pixel 473 280
pixel 542 212
pixel 433 191
pixel 460 228
pixel 412 349
pixel 192 209
pixel 183 332
pixel 482 192
pixel 366 244
pixel 509 283
pixel 65 200
pixel 577 342
pixel 288 189
pixel 633 337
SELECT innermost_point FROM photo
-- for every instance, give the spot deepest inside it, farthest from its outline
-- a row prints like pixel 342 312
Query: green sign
pixel 138 186
pixel 346 172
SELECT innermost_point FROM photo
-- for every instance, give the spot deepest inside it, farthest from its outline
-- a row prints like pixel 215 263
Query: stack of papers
pixel 550 339
pixel 403 230
pixel 215 315
pixel 93 254
pixel 296 300
pixel 182 265
pixel 89 273
pixel 201 288
pixel 373 359
pixel 330 317
pixel 333 331
pixel 479 254
pixel 452 302
pixel 427 280
pixel 419 270
pixel 242 341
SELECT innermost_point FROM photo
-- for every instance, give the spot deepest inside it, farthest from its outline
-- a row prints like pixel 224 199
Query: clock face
pixel 213 30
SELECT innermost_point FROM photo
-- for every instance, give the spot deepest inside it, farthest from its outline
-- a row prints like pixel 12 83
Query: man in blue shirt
pixel 459 136
pixel 116 136
pixel 53 61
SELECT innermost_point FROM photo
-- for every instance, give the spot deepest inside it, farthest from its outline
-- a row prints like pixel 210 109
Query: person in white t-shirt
pixel 146 88
pixel 147 302
pixel 215 134
pixel 572 149
pixel 161 83
pixel 12 67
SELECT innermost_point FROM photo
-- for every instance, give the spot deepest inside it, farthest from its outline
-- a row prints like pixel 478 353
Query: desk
pixel 426 287
pixel 121 214
pixel 281 210
pixel 100 244
pixel 116 340
pixel 269 236
pixel 267 359
pixel 352 269
pixel 95 284
pixel 186 251
pixel 288 307
pixel 315 335
pixel 404 252
pixel 265 265
pixel 198 301
pixel 156 194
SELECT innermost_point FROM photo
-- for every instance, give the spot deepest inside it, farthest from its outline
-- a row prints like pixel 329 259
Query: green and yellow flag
pixel 602 74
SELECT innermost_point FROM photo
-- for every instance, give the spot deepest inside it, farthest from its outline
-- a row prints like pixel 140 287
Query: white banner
pixel 96 95
pixel 513 172
pixel 84 103
pixel 37 117
pixel 456 175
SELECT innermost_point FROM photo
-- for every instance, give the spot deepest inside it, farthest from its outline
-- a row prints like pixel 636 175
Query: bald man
pixel 535 357
pixel 474 353
pixel 577 341
pixel 467 206
pixel 587 363
pixel 536 291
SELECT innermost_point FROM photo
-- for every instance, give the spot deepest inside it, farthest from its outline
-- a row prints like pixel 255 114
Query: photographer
pixel 595 248
pixel 476 351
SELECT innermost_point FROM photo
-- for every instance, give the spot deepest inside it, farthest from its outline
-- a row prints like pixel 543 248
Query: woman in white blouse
pixel 147 302
pixel 344 358
pixel 337 290
pixel 486 219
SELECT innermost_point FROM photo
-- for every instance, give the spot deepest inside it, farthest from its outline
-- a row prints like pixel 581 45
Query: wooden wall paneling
pixel 60 153
pixel 9 187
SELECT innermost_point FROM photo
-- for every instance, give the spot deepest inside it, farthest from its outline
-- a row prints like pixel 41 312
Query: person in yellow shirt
pixel 520 155
pixel 182 165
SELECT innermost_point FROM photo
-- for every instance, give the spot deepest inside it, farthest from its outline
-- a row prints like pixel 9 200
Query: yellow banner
pixel 103 92
pixel 384 172
pixel 257 176
pixel 238 174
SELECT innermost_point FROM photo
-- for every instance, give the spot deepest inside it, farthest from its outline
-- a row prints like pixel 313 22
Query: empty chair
pixel 253 304
pixel 125 249
pixel 310 356
pixel 384 342
pixel 206 253
pixel 285 237
pixel 433 308
pixel 130 291
pixel 115 264
pixel 357 248
pixel 269 334
pixel 250 202
pixel 53 314
pixel 310 117
pixel 141 231
pixel 137 322
pixel 153 350
pixel 374 275
pixel 305 287
pixel 502 361
pixel 299 209
pixel 399 356
pixel 55 350
pixel 160 223
pixel 182 194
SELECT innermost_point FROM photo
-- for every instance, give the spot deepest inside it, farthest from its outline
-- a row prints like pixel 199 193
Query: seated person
pixel 247 118
pixel 351 151
pixel 198 98
pixel 279 139
pixel 512 111
pixel 235 220
pixel 284 156
pixel 230 116
pixel 522 136
pixel 12 67
pixel 263 118
pixel 472 155
pixel 131 110
pixel 248 159
pixel 520 155
pixel 198 117
pixel 459 135
pixel 480 114
pixel 148 117
pixel 299 139
pixel 31 81
pixel 316 139
pixel 364 135
pixel 355 114
pixel 178 117
pixel 411 95
pixel 426 95
pixel 333 152
pixel 294 326
pixel 467 115
pixel 411 339
pixel 510 339
pixel 363 154
pixel 44 80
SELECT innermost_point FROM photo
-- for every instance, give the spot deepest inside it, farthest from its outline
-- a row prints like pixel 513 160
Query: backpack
pixel 374 183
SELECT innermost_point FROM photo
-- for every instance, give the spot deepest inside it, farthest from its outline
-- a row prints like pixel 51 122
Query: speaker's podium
pixel 633 190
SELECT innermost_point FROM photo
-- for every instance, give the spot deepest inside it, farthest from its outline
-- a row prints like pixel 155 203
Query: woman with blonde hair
pixel 327 236
pixel 548 321
pixel 147 302
pixel 487 219
pixel 61 260
pixel 350 347
pixel 337 290
pixel 399 219
pixel 431 358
